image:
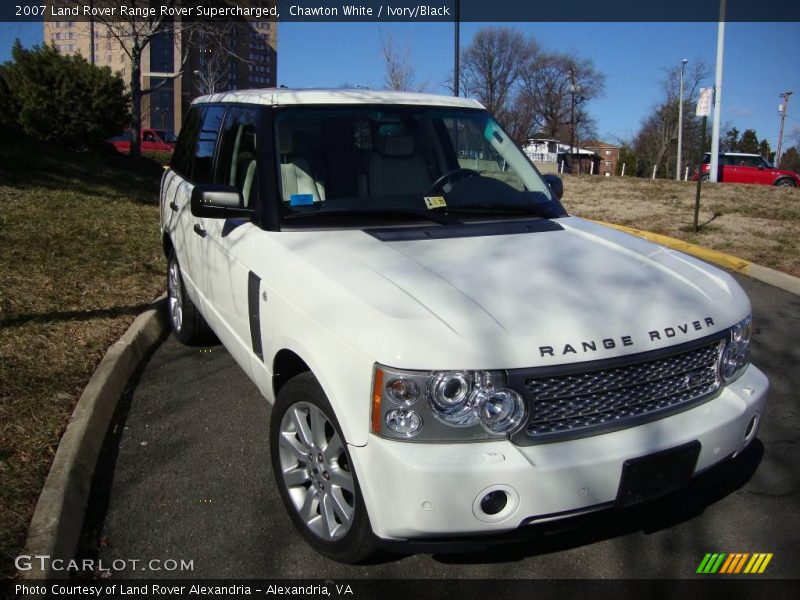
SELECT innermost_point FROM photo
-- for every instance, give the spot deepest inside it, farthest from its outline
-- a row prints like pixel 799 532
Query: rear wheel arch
pixel 167 245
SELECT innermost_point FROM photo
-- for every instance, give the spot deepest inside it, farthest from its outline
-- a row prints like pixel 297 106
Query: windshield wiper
pixel 502 210
pixel 435 216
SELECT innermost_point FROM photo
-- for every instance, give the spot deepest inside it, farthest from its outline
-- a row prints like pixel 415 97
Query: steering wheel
pixel 452 176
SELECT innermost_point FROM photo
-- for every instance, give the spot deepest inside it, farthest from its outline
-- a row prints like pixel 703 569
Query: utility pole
pixel 573 90
pixel 457 50
pixel 782 108
pixel 680 124
pixel 91 33
pixel 714 170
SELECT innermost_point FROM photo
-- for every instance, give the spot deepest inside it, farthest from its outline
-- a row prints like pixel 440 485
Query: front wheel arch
pixel 289 461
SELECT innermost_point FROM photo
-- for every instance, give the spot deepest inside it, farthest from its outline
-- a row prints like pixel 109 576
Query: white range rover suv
pixel 448 352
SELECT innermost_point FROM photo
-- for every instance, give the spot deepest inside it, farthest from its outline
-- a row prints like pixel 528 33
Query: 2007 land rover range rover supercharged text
pixel 448 352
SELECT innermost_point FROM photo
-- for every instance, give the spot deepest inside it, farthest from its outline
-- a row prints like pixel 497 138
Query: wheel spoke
pixel 303 431
pixel 308 512
pixel 327 513
pixel 318 422
pixel 342 479
pixel 333 448
pixel 344 510
pixel 295 477
pixel 290 443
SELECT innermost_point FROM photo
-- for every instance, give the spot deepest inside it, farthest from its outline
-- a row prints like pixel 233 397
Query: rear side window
pixel 203 169
pixel 184 149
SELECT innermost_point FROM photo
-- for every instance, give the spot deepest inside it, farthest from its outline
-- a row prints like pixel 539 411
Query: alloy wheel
pixel 316 471
pixel 174 295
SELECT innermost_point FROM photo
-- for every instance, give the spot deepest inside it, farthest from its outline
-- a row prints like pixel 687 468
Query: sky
pixel 761 60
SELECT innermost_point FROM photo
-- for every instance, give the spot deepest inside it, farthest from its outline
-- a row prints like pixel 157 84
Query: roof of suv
pixel 289 97
pixel 735 154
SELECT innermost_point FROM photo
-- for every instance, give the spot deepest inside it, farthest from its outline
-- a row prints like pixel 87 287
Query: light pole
pixel 714 166
pixel 680 124
pixel 782 107
pixel 457 49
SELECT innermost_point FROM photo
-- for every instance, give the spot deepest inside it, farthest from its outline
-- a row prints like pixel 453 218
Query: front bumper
pixel 423 490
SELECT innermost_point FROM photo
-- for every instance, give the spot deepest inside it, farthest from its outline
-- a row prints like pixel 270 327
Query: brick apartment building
pixel 608 153
pixel 254 64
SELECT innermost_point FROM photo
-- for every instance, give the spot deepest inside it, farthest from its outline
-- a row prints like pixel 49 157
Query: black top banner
pixel 404 10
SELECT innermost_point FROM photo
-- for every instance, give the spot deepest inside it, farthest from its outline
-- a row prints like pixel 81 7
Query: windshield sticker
pixel 434 202
pixel 491 131
pixel 301 199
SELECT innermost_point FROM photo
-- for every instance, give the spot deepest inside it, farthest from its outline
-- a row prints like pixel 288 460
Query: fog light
pixel 494 502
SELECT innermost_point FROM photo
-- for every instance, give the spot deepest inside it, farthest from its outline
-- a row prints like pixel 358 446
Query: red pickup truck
pixel 738 167
pixel 152 140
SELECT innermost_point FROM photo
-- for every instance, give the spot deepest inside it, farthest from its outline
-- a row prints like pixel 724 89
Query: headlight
pixel 444 405
pixel 735 354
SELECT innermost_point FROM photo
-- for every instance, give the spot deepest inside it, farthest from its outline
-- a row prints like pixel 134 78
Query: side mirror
pixel 555 183
pixel 218 202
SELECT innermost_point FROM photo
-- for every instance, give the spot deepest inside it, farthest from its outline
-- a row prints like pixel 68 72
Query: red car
pixel 152 140
pixel 738 167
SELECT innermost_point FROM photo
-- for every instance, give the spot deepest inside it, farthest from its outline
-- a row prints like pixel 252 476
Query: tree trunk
pixel 136 103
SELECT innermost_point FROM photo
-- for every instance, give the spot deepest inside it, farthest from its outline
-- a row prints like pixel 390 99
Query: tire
pixel 187 323
pixel 785 182
pixel 314 473
pixel 704 177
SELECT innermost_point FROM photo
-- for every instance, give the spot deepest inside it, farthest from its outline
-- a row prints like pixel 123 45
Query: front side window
pixel 237 163
pixel 404 161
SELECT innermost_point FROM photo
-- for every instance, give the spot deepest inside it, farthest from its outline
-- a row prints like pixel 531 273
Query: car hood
pixel 578 293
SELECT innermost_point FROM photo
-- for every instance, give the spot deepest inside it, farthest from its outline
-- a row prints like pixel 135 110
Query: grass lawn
pixel 80 259
pixel 756 222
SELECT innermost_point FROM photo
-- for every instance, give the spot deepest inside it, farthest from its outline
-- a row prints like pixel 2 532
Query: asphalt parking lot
pixel 185 474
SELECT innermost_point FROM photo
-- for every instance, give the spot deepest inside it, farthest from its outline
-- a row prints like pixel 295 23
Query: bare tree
pixel 657 137
pixel 134 33
pixel 400 72
pixel 491 68
pixel 558 86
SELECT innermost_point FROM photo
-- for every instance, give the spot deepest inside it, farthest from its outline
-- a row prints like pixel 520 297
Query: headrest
pixel 248 143
pixel 285 142
pixel 397 145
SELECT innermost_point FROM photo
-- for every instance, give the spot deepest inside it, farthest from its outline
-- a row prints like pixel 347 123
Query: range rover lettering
pixel 447 351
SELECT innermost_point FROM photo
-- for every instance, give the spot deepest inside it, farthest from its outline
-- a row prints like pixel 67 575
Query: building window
pixel 162 101
pixel 161 52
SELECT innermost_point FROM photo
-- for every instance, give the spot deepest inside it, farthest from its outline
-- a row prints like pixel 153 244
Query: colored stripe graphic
pixel 711 563
pixel 733 563
pixel 758 563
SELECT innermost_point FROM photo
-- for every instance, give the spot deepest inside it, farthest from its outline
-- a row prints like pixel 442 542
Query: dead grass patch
pixel 81 256
pixel 755 222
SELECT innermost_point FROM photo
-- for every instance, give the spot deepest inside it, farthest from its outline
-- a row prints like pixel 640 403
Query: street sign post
pixel 703 110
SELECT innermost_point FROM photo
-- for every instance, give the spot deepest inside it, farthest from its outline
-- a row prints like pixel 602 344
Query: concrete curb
pixel 775 278
pixel 58 519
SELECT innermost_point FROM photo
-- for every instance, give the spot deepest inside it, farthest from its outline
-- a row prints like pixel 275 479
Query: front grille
pixel 585 403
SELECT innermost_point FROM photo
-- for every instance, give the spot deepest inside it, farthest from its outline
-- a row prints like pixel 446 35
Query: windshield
pixel 404 161
pixel 166 136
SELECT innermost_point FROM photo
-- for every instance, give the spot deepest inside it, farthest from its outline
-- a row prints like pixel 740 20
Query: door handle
pixel 173 206
pixel 199 230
